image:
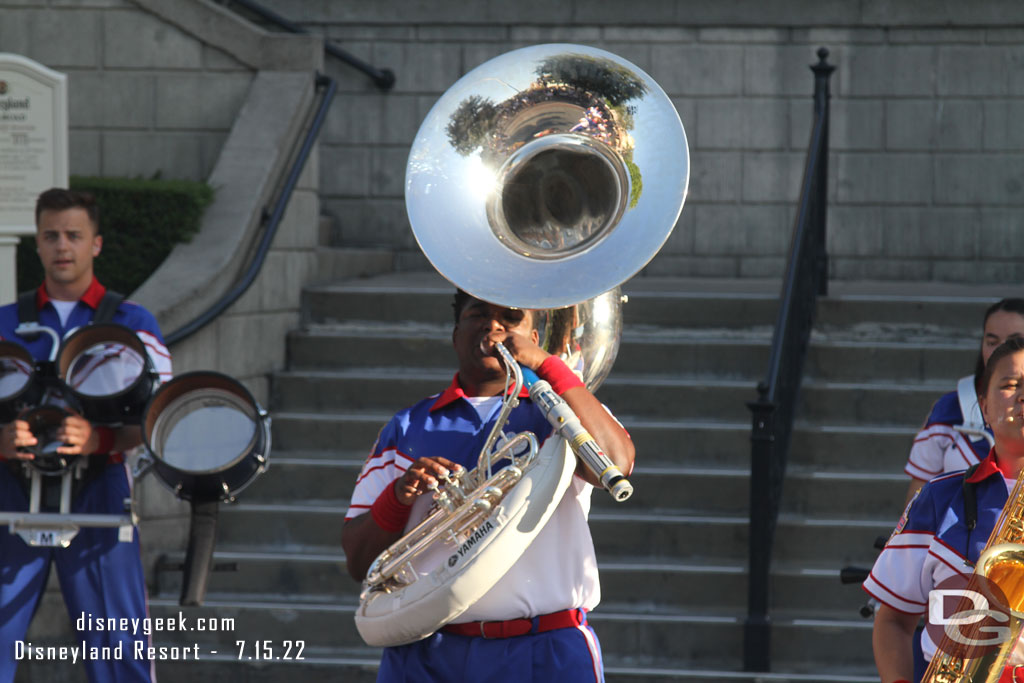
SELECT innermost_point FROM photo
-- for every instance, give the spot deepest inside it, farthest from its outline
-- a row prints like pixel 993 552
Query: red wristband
pixel 556 373
pixel 388 512
pixel 105 444
pixel 901 680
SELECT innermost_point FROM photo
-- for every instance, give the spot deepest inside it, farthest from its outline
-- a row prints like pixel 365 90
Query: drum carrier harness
pixel 50 496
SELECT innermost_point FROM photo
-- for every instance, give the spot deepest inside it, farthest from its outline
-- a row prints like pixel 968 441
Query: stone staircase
pixel 673 558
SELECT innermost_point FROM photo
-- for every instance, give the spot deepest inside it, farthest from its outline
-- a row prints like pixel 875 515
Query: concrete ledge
pixel 245 179
pixel 249 44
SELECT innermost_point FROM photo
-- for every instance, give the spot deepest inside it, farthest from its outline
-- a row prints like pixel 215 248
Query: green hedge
pixel 141 221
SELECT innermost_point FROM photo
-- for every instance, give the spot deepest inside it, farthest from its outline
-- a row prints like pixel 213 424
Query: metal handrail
pixel 383 78
pixel 806 278
pixel 272 218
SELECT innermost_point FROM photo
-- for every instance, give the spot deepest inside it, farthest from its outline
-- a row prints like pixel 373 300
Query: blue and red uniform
pixel 933 543
pixel 552 585
pixel 939 447
pixel 100 575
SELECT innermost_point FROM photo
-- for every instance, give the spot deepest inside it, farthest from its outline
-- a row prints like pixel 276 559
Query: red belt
pixel 519 627
pixel 1012 674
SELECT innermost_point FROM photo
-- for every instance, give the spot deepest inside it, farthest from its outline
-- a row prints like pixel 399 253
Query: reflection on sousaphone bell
pixel 547 176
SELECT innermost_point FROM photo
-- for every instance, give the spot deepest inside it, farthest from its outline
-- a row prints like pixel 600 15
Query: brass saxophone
pixel 1001 563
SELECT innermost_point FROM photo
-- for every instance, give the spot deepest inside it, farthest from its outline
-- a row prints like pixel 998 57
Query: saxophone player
pixel 935 539
pixel 531 626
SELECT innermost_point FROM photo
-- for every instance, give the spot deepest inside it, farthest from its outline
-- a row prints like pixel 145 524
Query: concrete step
pixel 309 577
pixel 943 310
pixel 712 443
pixel 666 488
pixel 335 263
pixel 739 355
pixel 317 528
pixel 669 638
pixel 331 666
pixel 702 537
pixel 378 389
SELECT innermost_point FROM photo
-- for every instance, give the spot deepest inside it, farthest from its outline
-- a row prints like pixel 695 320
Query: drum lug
pixel 227 497
pixel 142 466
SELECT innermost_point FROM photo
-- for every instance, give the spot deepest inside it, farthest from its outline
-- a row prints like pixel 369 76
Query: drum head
pixel 107 368
pixel 17 379
pixel 205 430
pixel 208 436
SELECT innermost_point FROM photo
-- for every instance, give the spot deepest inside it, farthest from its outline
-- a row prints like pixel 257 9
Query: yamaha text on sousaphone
pixel 543 178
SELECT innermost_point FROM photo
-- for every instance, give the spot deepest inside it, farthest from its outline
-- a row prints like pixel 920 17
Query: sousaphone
pixel 543 178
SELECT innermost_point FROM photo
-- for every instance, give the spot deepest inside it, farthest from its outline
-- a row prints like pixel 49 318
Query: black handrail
pixel 383 78
pixel 773 411
pixel 272 219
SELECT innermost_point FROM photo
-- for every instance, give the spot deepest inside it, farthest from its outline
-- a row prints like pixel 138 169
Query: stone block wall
pixel 145 98
pixel 927 162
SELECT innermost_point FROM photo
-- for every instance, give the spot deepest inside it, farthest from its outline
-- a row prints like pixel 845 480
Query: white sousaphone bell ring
pixel 547 176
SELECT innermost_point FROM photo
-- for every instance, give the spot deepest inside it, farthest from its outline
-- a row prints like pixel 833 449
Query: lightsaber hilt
pixel 568 425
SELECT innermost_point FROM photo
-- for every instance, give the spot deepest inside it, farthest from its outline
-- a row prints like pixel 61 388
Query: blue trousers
pixel 100 577
pixel 565 655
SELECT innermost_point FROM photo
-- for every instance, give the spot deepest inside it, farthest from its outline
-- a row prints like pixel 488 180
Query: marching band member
pixel 100 574
pixel 939 447
pixel 935 539
pixel 531 626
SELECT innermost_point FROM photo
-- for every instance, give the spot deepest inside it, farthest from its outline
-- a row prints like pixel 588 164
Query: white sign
pixel 33 139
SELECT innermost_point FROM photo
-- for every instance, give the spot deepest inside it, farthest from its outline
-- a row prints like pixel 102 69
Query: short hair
pixel 1011 345
pixel 1010 305
pixel 59 199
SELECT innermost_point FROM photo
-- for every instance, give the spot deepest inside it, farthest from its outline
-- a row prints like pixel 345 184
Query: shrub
pixel 141 221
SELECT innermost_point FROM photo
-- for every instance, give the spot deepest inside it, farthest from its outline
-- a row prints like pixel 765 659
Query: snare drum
pixel 20 387
pixel 208 436
pixel 106 368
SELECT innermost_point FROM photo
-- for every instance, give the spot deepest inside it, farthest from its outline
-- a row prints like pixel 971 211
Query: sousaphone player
pixel 529 187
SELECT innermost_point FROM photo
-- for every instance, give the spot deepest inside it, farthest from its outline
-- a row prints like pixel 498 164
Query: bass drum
pixel 450 578
pixel 208 436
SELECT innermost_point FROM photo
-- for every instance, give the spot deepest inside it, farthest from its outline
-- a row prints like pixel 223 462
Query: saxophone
pixel 1001 563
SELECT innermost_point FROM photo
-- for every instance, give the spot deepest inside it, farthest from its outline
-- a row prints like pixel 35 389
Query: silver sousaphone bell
pixel 545 177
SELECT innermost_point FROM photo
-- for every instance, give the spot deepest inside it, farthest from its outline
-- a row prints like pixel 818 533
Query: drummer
pixel 101 571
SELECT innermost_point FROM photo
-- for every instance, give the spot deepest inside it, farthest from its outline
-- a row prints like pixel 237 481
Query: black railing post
pixel 757 628
pixel 822 95
pixel 805 279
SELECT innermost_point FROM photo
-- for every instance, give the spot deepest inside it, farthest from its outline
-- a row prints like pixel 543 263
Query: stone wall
pixel 144 97
pixel 927 163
